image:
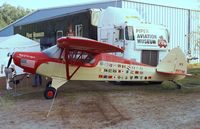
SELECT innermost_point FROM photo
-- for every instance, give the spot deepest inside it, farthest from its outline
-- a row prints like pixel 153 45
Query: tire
pixel 48 84
pixel 49 93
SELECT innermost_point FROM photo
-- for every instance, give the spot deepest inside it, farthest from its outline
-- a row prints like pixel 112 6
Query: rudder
pixel 174 63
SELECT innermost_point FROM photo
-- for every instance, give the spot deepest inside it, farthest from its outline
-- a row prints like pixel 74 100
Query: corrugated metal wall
pixel 176 20
pixel 195 33
pixel 181 23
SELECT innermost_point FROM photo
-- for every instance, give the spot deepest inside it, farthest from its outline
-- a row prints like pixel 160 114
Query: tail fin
pixel 174 63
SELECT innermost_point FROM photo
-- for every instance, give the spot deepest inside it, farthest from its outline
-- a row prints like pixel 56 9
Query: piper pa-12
pixel 74 58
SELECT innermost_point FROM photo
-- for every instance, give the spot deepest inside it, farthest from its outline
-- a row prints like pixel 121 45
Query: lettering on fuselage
pixel 118 71
pixel 26 56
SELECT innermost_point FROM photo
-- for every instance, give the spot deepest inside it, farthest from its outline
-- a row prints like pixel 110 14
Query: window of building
pixel 79 30
pixel 59 34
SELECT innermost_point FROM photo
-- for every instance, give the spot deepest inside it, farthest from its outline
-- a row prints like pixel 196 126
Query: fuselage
pixel 103 67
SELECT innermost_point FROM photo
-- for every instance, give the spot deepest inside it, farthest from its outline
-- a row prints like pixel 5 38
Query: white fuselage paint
pixel 105 71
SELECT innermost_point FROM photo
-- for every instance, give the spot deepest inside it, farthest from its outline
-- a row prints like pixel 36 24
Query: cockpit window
pixel 82 57
pixel 53 52
pixel 74 56
pixel 129 33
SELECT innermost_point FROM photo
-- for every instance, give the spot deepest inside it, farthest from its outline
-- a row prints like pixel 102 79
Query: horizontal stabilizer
pixel 175 73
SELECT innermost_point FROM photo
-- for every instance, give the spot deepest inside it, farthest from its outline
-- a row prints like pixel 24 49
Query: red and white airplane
pixel 85 59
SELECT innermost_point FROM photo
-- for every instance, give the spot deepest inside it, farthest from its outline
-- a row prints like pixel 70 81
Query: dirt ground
pixel 96 105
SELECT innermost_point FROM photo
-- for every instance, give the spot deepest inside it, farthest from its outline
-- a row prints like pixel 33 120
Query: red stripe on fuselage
pixel 116 59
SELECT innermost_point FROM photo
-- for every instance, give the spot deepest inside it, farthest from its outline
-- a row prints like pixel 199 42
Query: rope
pixel 52 103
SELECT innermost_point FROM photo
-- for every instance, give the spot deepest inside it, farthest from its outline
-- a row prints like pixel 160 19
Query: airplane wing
pixel 85 44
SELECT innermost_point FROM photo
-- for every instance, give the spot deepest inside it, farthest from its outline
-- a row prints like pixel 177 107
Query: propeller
pixel 10 60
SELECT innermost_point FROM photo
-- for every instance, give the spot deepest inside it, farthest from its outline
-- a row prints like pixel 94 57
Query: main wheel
pixel 178 86
pixel 49 93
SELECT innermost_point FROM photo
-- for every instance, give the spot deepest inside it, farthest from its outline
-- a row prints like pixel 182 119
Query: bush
pixel 168 85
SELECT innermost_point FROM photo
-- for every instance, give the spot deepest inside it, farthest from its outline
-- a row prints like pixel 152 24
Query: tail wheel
pixel 49 93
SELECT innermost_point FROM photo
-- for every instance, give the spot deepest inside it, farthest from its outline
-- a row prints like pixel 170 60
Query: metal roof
pixel 42 14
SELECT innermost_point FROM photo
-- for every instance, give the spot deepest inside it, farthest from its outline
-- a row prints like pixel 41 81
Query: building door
pixel 59 34
pixel 150 57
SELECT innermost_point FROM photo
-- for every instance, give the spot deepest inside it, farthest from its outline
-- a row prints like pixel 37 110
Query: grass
pixel 190 84
pixel 168 85
pixel 6 101
pixel 192 81
pixel 192 66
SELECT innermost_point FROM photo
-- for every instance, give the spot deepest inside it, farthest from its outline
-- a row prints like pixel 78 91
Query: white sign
pixel 151 38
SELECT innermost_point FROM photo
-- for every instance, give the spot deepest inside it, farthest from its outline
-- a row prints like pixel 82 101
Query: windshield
pixel 53 52
pixel 74 55
pixel 129 33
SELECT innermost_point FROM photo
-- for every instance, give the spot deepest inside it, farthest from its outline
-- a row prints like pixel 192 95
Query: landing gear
pixel 49 93
pixel 49 84
pixel 52 87
pixel 178 85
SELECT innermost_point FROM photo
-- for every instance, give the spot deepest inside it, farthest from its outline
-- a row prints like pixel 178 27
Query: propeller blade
pixel 9 61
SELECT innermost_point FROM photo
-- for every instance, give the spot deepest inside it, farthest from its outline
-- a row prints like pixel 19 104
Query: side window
pixel 129 33
pixel 59 34
pixel 81 57
pixel 79 30
pixel 62 55
pixel 121 34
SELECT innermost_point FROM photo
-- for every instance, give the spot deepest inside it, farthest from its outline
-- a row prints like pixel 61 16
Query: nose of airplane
pixel 16 58
pixel 26 61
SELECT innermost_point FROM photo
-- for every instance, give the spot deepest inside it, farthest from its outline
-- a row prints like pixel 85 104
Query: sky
pixel 40 4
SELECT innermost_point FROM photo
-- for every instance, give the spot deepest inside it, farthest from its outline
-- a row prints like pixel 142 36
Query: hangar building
pixel 182 23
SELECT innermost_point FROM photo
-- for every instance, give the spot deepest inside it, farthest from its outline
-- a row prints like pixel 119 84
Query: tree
pixel 9 14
